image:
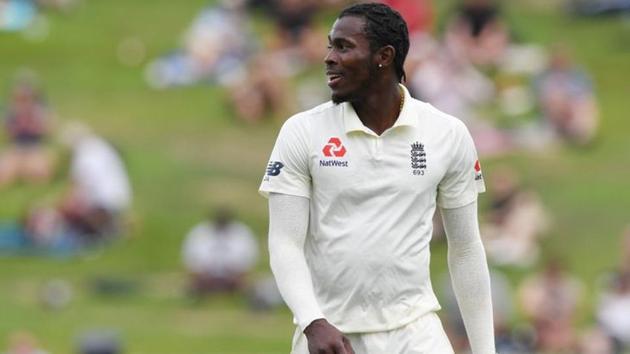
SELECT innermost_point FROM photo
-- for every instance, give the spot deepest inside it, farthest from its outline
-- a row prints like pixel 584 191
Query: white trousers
pixel 423 336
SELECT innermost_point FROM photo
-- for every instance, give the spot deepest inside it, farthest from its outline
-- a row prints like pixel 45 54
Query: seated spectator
pixel 16 15
pixel 91 211
pixel 452 84
pixel 613 310
pixel 599 7
pixel 292 18
pixel 566 99
pixel 99 342
pixel 216 49
pixel 265 90
pixel 515 222
pixel 27 124
pixel 218 253
pixel 43 231
pixel 549 300
pixel 100 192
pixel 296 34
pixel 478 33
pixel 448 82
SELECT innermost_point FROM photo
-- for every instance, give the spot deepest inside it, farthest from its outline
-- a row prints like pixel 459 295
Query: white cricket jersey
pixel 372 200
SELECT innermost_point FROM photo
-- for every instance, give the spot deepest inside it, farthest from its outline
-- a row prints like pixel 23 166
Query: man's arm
pixel 288 224
pixel 470 276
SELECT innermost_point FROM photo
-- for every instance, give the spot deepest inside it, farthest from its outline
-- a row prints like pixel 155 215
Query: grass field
pixel 186 154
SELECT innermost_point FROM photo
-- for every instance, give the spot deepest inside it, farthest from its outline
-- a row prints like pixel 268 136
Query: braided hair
pixel 383 26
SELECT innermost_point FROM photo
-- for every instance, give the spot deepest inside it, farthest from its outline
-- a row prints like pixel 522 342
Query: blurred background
pixel 135 133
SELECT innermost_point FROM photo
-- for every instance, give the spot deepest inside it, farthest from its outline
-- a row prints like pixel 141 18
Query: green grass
pixel 186 154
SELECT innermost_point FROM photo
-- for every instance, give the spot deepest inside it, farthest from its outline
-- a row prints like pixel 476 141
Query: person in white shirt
pixel 100 190
pixel 353 185
pixel 218 254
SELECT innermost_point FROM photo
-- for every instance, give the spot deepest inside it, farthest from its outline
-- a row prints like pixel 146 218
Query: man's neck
pixel 379 110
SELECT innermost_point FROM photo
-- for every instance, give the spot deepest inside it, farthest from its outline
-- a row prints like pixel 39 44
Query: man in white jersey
pixel 353 185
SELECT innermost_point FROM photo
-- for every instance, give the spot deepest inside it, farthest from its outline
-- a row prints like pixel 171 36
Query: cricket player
pixel 353 185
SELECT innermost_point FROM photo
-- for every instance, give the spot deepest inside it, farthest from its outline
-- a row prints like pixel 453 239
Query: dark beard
pixel 338 99
pixel 357 95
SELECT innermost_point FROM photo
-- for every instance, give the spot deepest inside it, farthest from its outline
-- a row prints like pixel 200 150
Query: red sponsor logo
pixel 334 148
pixel 478 175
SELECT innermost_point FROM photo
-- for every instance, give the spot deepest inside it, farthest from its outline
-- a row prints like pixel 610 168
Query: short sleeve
pixel 463 180
pixel 288 168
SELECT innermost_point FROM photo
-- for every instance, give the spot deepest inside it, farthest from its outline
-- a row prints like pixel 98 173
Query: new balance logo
pixel 274 167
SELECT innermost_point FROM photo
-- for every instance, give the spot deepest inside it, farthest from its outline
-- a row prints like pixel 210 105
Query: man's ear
pixel 385 55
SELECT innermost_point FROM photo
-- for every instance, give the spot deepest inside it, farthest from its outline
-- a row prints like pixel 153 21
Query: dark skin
pixel 367 79
pixel 324 338
pixel 364 77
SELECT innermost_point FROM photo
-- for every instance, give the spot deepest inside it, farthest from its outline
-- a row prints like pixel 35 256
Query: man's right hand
pixel 324 338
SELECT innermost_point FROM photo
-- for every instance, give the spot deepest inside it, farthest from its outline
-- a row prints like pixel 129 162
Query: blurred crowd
pixel 549 301
pixel 90 342
pixel 96 191
pixel 513 96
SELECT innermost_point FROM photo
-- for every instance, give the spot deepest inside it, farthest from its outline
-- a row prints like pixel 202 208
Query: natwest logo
pixel 334 148
pixel 478 175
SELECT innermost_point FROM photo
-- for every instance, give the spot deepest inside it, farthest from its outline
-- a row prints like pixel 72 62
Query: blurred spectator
pixel 265 90
pixel 216 49
pixel 515 222
pixel 477 32
pixel 294 22
pixel 452 84
pixel 296 34
pixel 23 343
pixel 595 341
pixel 565 96
pixel 613 310
pixel 449 83
pixel 100 192
pixel 27 124
pixel 91 211
pixel 40 231
pixel 549 299
pixel 16 15
pixel 599 7
pixel 99 342
pixel 218 254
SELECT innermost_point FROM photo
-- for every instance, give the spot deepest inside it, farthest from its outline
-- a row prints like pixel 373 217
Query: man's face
pixel 349 64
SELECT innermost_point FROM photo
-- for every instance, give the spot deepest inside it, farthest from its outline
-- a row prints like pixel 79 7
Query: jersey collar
pixel 353 123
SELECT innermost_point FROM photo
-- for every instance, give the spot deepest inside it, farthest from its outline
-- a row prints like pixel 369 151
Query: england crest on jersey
pixel 418 159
